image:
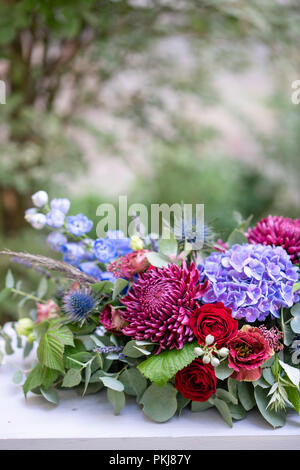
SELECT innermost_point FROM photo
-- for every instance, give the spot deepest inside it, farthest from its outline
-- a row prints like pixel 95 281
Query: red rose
pixel 111 319
pixel 196 381
pixel 215 320
pixel 247 351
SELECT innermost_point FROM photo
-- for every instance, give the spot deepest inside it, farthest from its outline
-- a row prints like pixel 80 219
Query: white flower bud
pixel 198 351
pixel 215 362
pixel 223 352
pixel 40 198
pixel 209 340
pixel 38 221
pixel 206 359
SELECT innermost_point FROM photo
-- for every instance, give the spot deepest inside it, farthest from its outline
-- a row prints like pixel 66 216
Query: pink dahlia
pixel 129 265
pixel 159 305
pixel 279 231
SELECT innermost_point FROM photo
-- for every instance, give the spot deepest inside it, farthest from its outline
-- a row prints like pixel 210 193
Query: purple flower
pixel 55 240
pixel 62 205
pixel 73 253
pixel 55 218
pixel 105 250
pixel 79 224
pixel 253 280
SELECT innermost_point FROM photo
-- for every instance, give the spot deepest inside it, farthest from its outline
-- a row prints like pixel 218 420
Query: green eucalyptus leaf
pixel 134 382
pixel 201 406
pixel 246 395
pixel 117 399
pixel 157 259
pixel 224 410
pixel 160 403
pixel 72 378
pixel 295 324
pixel 114 384
pixel 275 418
pixel 51 395
pixel 223 371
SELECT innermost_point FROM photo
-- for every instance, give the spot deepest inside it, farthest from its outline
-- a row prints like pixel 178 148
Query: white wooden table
pixel 89 423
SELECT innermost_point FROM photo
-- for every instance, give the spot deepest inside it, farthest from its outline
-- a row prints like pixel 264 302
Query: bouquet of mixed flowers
pixel 157 320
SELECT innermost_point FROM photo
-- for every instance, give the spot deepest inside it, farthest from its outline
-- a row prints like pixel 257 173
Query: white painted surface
pixel 89 423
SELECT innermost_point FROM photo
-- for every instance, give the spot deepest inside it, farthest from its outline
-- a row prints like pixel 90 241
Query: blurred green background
pixel 161 100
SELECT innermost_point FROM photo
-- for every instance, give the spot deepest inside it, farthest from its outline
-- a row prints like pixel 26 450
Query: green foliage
pixel 161 368
pixel 51 346
pixel 275 418
pixel 160 403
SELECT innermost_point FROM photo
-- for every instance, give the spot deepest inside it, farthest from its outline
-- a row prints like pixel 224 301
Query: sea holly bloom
pixel 278 231
pixel 197 381
pixel 79 225
pixel 253 280
pixel 105 250
pixel 111 319
pixel 248 350
pixel 79 303
pixel 129 265
pixel 160 303
pixel 213 320
pixel 46 311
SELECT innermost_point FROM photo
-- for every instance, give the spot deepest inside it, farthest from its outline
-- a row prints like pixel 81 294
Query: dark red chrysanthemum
pixel 160 303
pixel 278 231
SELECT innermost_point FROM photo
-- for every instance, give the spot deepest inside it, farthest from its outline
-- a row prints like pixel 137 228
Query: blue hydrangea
pixel 62 205
pixel 253 280
pixel 55 240
pixel 79 303
pixel 91 269
pixel 79 224
pixel 73 253
pixel 122 243
pixel 55 218
pixel 105 250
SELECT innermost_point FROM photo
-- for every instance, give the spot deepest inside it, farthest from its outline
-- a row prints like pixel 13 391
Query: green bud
pixel 24 327
pixel 136 243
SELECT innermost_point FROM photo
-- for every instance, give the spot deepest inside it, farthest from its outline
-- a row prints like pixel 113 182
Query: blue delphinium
pixel 55 218
pixel 122 243
pixel 105 250
pixel 62 205
pixel 55 240
pixel 79 225
pixel 79 303
pixel 107 276
pixel 253 280
pixel 91 269
pixel 73 253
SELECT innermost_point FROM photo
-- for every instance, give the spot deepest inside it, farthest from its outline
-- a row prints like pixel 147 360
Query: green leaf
pixel 159 369
pixel 77 360
pixel 246 396
pixel 261 382
pixel 103 287
pixel 114 384
pixel 275 418
pixel 224 411
pixel 134 382
pixel 223 371
pixel 232 386
pixel 43 287
pixel 168 247
pixel 295 310
pixel 17 377
pixel 201 406
pixel 160 403
pixel 8 347
pixel 34 379
pixel 294 398
pixel 226 396
pixel 117 399
pixel 237 237
pixel 236 411
pixel 295 324
pixel 72 378
pixel 268 375
pixel 87 376
pixel 296 286
pixel 286 329
pixel 51 395
pixel 292 372
pixel 4 294
pixel 133 350
pixel 182 402
pixel 51 347
pixel 119 286
pixel 49 376
pixel 9 280
pixel 63 333
pixel 158 260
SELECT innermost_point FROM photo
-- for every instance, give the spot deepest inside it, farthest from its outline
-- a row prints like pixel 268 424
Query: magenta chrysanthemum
pixel 160 303
pixel 278 231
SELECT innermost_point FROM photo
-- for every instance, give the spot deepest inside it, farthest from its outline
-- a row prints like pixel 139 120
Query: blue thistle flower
pixel 79 303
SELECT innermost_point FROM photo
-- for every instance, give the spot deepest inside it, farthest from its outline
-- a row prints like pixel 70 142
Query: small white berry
pixel 223 352
pixel 206 359
pixel 198 351
pixel 215 362
pixel 209 340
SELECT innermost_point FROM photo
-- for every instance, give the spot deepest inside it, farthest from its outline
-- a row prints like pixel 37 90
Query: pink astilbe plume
pixel 278 231
pixel 160 303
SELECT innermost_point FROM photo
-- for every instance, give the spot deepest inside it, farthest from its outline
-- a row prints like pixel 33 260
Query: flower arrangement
pixel 156 320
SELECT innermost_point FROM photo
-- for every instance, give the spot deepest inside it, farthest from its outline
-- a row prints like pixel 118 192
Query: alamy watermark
pixel 181 221
pixel 2 92
pixel 295 97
